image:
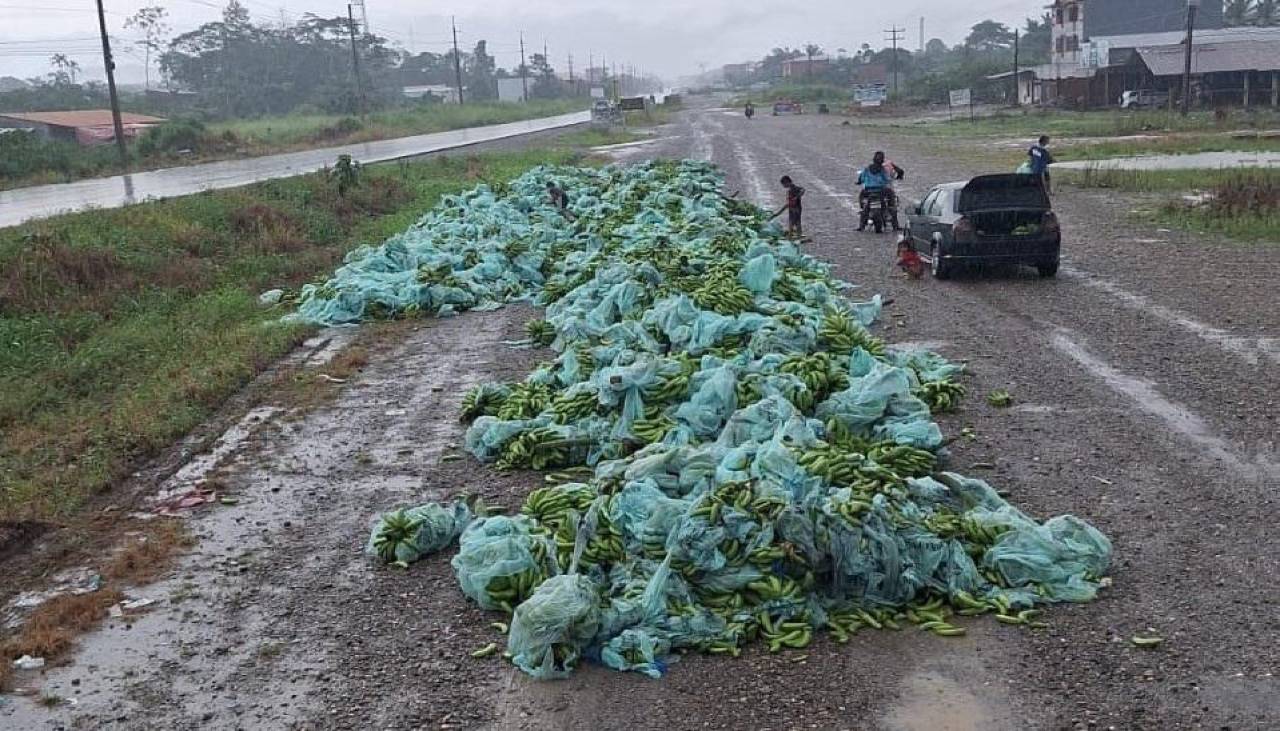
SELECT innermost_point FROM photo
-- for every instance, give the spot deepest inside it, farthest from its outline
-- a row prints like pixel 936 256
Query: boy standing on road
pixel 1041 159
pixel 794 208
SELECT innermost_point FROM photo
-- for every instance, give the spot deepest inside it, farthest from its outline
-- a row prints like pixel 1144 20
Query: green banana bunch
pixel 651 431
pixel 941 396
pixel 540 332
pixel 396 536
pixel 525 401
pixel 570 408
pixel 536 449
pixel 841 334
pixel 903 459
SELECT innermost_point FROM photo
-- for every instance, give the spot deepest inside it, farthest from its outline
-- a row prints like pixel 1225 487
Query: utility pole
pixel 111 89
pixel 570 68
pixel 1017 80
pixel 1192 6
pixel 591 68
pixel 457 58
pixel 921 34
pixel 895 34
pixel 355 57
pixel 524 71
pixel 364 15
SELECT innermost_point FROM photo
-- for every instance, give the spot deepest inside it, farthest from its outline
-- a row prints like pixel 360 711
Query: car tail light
pixel 1050 223
pixel 964 231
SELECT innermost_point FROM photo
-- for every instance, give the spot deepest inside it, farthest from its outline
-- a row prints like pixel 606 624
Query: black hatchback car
pixel 992 219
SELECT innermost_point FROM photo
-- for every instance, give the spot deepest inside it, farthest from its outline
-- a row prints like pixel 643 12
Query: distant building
pixel 870 74
pixel 85 127
pixel 803 66
pixel 1228 66
pixel 1077 26
pixel 441 92
pixel 513 89
pixel 738 74
pixel 12 83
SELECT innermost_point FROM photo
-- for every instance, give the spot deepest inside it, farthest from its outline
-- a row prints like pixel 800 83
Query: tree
pixel 771 65
pixel 1237 12
pixel 989 36
pixel 811 50
pixel 935 48
pixel 1037 39
pixel 1266 13
pixel 151 21
pixel 480 73
pixel 64 70
pixel 545 85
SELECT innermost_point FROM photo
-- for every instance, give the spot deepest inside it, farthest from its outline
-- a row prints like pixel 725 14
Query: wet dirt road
pixel 1145 379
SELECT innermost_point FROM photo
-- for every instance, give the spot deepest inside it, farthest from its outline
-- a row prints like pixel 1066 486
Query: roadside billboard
pixel 961 97
pixel 511 90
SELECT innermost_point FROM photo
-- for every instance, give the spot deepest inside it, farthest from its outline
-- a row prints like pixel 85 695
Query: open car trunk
pixel 1005 205
pixel 1008 223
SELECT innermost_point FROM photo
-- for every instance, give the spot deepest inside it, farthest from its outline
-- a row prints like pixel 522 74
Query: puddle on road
pixel 934 702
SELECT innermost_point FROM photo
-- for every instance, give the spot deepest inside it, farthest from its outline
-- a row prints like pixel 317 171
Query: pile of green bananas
pixel 525 400
pixel 653 430
pixel 941 396
pixel 721 292
pixel 569 408
pixel 483 400
pixel 902 459
pixel 669 390
pixel 509 591
pixel 840 334
pixel 540 332
pixel 819 372
pixel 537 449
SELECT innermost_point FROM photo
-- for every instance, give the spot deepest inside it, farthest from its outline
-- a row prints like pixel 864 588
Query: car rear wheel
pixel 939 267
pixel 1048 270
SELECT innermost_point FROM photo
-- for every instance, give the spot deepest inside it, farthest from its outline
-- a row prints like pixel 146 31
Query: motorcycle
pixel 876 209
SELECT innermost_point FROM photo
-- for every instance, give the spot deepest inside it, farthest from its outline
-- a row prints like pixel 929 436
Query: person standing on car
pixel 878 177
pixel 1041 159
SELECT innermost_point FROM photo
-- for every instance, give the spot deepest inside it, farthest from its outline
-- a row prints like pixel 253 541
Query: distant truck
pixel 605 112
pixel 1144 99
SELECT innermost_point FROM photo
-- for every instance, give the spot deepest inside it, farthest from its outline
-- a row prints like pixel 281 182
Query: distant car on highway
pixel 1144 99
pixel 786 106
pixel 992 219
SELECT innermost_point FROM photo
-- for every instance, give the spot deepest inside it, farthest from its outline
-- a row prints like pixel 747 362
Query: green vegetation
pixel 28 160
pixel 125 328
pixel 1242 204
pixel 1172 145
pixel 812 93
pixel 1061 124
pixel 304 130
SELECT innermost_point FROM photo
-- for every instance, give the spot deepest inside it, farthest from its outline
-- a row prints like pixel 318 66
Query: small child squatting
pixel 909 261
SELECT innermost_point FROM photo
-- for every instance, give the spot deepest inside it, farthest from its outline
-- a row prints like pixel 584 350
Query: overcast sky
pixel 667 37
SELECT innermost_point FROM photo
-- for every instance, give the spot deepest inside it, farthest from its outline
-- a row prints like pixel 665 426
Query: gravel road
pixel 1145 378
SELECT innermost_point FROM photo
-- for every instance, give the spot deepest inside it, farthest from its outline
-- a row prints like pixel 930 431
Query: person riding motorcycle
pixel 879 177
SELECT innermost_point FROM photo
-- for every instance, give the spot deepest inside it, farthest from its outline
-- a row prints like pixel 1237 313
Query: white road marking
pixel 757 188
pixel 1251 350
pixel 806 175
pixel 702 146
pixel 1175 416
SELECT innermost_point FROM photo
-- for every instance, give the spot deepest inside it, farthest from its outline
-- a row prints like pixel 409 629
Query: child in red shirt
pixel 909 261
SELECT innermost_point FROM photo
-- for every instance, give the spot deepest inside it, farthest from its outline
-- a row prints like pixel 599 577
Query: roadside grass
pixel 1239 204
pixel 27 163
pixel 803 93
pixel 123 329
pixel 1173 145
pixel 276 133
pixel 1032 123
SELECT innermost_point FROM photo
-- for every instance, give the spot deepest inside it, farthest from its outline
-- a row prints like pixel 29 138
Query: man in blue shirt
pixel 1041 159
pixel 878 177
